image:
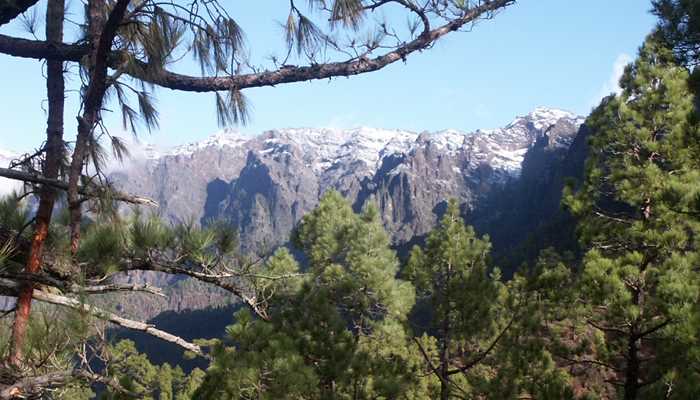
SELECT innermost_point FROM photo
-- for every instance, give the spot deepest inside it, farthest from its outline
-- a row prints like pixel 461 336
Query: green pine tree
pixel 639 287
pixel 529 358
pixel 338 332
pixel 466 301
pixel 679 28
pixel 135 373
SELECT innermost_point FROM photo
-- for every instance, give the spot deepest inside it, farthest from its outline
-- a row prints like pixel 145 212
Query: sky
pixel 566 54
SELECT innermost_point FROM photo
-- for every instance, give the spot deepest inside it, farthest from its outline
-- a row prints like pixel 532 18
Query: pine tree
pixel 465 298
pixel 640 285
pixel 138 377
pixel 338 332
pixel 679 28
pixel 530 359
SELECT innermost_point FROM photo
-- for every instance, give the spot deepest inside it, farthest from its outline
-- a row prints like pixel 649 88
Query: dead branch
pixel 10 288
pixel 34 386
pixel 91 191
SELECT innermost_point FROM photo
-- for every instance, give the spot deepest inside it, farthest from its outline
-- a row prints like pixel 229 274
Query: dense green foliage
pixel 679 28
pixel 337 331
pixel 341 330
pixel 639 287
pixel 465 300
pixel 137 375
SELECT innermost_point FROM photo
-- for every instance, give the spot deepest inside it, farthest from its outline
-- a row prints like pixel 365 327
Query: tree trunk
pixel 444 363
pixel 101 33
pixel 47 196
pixel 446 332
pixel 86 122
pixel 632 368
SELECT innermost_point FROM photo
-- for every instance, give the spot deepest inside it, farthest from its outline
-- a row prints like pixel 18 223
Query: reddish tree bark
pixel 55 88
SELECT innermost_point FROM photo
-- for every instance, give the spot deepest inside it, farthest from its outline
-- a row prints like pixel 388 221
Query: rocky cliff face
pixel 508 181
pixel 526 216
pixel 263 185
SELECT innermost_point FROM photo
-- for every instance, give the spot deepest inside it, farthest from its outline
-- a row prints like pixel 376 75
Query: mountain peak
pixel 323 148
pixel 544 117
pixel 551 112
pixel 223 138
pixel 263 184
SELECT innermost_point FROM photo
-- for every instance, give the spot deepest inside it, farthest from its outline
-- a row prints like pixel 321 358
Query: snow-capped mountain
pixel 504 148
pixel 264 184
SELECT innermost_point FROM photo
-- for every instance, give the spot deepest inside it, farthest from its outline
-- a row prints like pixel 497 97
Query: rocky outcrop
pixel 507 180
pixel 263 185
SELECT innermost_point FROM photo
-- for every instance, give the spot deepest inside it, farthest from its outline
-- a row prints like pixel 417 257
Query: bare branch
pixel 32 386
pixel 91 191
pixel 12 289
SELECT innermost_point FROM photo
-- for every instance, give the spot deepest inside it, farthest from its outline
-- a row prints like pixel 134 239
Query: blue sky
pixel 558 53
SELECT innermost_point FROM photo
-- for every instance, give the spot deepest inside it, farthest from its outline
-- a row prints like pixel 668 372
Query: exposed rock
pixel 263 185
pixel 508 181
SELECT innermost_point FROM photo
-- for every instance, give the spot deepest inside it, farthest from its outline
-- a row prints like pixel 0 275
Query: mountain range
pixel 507 180
pixel 264 184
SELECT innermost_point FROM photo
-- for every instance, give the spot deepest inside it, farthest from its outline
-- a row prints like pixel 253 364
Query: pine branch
pixel 155 262
pixel 433 368
pixel 8 288
pixel 117 287
pixel 585 361
pixel 90 191
pixel 482 355
pixel 652 329
pixel 607 329
pixel 71 287
pixel 285 74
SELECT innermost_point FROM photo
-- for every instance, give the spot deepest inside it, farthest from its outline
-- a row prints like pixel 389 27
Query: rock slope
pixel 264 184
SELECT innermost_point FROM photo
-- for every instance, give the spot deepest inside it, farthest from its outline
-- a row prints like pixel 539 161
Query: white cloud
pixel 613 83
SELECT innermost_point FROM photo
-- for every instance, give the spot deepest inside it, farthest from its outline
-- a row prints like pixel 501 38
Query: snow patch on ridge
pixel 326 150
pixel 221 139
